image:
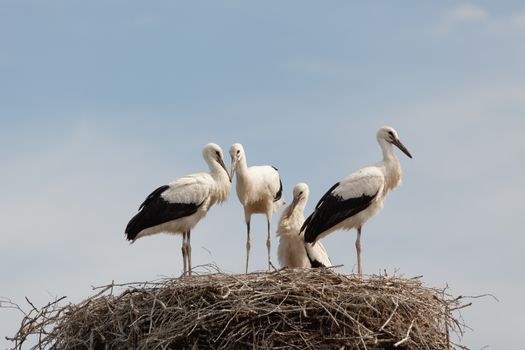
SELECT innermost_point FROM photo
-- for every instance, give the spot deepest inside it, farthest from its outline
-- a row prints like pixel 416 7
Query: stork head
pixel 389 135
pixel 212 154
pixel 300 194
pixel 236 153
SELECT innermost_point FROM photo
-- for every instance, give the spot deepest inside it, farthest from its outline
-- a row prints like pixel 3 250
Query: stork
pixel 259 189
pixel 352 201
pixel 293 252
pixel 178 206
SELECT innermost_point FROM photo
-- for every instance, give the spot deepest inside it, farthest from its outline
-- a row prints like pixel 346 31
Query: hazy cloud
pixel 467 13
pixel 512 24
pixel 517 21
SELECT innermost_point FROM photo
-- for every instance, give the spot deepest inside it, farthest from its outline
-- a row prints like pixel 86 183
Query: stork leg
pixel 184 252
pixel 358 250
pixel 188 251
pixel 248 243
pixel 269 246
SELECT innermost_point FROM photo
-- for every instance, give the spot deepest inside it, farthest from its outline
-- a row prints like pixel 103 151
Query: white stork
pixel 293 252
pixel 352 201
pixel 259 189
pixel 178 206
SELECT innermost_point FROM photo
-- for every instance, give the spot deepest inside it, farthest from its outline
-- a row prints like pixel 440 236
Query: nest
pixel 286 309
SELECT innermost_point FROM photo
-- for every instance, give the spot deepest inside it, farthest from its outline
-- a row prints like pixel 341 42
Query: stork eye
pixel 238 151
pixel 392 136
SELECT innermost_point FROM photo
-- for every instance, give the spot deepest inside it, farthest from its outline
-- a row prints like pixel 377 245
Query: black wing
pixel 330 211
pixel 314 263
pixel 153 195
pixel 279 193
pixel 329 192
pixel 156 210
pixel 308 219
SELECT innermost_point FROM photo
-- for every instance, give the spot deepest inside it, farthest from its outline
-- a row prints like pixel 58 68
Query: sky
pixel 101 102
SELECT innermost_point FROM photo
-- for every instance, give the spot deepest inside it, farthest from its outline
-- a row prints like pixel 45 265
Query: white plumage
pixel 292 251
pixel 180 205
pixel 259 189
pixel 352 201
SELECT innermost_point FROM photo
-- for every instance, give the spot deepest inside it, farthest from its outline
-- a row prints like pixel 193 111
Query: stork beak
pixel 221 162
pixel 402 147
pixel 234 165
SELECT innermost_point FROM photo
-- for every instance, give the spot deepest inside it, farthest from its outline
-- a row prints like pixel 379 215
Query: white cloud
pixel 467 13
pixel 517 22
pixel 513 24
pixel 460 16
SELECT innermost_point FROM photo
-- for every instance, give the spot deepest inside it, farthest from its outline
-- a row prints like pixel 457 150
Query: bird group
pixel 178 206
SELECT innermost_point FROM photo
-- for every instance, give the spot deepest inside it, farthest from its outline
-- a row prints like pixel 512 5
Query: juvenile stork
pixel 178 206
pixel 293 251
pixel 352 201
pixel 259 189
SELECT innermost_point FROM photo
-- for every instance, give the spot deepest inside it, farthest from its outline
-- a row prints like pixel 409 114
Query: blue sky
pixel 102 102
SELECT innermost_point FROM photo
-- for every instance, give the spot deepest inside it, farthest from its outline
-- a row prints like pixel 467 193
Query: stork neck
pixel 218 173
pixel 222 182
pixel 391 165
pixel 298 211
pixel 298 215
pixel 388 151
pixel 300 206
pixel 242 166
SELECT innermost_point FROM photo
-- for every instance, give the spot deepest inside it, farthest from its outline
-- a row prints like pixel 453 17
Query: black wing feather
pixel 314 263
pixel 155 211
pixel 308 219
pixel 330 211
pixel 153 195
pixel 279 193
pixel 329 192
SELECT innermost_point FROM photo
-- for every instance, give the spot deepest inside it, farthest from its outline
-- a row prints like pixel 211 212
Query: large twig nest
pixel 287 309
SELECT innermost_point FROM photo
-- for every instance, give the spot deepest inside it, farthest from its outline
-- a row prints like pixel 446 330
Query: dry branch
pixel 287 309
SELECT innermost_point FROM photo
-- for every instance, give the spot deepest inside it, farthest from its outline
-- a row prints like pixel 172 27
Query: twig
pixel 396 305
pixel 407 336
